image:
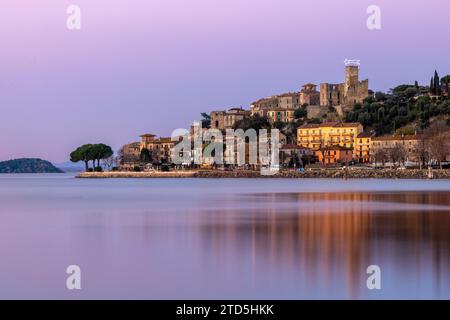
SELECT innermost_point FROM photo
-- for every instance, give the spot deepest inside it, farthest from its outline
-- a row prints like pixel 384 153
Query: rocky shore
pixel 320 174
pixel 133 175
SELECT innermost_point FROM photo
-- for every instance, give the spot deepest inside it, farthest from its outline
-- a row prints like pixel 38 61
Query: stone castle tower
pixel 351 76
pixel 346 94
pixel 355 91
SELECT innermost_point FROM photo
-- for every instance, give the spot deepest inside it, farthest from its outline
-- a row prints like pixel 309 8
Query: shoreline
pixel 313 174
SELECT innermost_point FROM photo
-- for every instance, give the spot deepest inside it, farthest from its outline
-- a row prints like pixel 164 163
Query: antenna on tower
pixel 352 62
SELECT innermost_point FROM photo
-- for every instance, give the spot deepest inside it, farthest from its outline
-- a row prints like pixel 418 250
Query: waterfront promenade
pixel 316 173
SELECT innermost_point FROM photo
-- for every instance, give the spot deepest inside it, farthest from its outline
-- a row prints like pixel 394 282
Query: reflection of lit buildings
pixel 323 238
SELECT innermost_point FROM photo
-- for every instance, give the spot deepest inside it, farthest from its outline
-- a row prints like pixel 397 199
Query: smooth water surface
pixel 223 238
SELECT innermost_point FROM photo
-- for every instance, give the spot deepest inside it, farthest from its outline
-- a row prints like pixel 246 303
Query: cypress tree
pixel 432 86
pixel 437 83
pixel 446 87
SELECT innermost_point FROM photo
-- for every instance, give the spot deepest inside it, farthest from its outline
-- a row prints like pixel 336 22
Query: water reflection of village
pixel 331 238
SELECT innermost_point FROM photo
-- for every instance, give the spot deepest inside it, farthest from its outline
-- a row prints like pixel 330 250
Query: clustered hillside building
pixel 345 95
pixel 223 120
pixel 341 96
pixel 330 142
pixel 309 95
pixel 277 108
pixel 280 115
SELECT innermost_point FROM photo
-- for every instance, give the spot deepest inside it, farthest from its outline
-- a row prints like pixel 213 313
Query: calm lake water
pixel 223 239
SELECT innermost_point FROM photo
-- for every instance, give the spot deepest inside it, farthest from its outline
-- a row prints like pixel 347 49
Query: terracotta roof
pixel 288 94
pixel 280 109
pixel 164 140
pixel 335 148
pixel 293 146
pixel 347 124
pixel 133 144
pixel 364 135
pixel 265 99
pixel 331 124
pixel 399 138
pixel 148 135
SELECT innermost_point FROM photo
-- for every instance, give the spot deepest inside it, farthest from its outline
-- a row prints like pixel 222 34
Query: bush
pixel 300 113
pixel 98 169
pixel 90 170
pixel 137 169
pixel 165 168
pixel 315 121
pixel 115 169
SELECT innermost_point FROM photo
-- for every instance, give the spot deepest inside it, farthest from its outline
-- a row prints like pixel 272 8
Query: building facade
pixel 334 155
pixel 161 149
pixel 318 136
pixel 261 106
pixel 282 115
pixel 408 147
pixel 309 95
pixel 223 120
pixel 285 101
pixel 363 147
pixel 292 153
pixel 131 153
pixel 331 94
pixel 343 96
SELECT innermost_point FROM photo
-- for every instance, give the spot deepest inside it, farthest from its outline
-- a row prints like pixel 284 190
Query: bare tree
pixel 422 151
pixel 397 154
pixel 120 156
pixel 109 162
pixel 124 157
pixel 438 141
pixel 380 156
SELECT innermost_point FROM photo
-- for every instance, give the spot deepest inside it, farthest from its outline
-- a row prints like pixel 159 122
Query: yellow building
pixel 318 136
pixel 363 148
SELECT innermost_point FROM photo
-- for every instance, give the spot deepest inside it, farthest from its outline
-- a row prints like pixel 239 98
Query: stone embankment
pixel 323 174
pixel 132 175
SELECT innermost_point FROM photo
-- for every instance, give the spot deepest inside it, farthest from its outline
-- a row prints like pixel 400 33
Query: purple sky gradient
pixel 153 65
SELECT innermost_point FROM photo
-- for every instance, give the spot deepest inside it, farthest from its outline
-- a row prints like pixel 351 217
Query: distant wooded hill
pixel 28 166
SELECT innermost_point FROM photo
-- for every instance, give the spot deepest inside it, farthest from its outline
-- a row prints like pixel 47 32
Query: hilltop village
pixel 332 125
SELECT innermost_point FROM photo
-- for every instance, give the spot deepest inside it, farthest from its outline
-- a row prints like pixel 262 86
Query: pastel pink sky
pixel 153 65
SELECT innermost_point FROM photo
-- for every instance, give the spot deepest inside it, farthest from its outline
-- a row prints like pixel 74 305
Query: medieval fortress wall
pixel 346 94
pixel 341 96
